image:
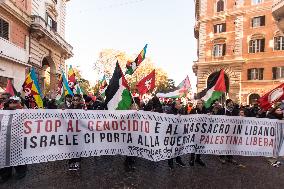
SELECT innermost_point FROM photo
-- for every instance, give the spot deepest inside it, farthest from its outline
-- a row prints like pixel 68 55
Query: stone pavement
pixel 109 172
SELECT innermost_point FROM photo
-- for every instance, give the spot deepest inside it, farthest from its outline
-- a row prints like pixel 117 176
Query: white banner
pixel 34 136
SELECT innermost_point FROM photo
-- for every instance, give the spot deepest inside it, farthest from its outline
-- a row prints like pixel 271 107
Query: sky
pixel 165 25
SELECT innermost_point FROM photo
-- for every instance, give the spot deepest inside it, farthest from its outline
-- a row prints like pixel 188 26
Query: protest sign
pixel 34 136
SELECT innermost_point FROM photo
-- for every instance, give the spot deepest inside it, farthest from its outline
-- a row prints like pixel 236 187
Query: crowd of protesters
pixel 168 106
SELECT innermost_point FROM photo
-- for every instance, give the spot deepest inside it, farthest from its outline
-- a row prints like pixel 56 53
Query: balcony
pixel 278 13
pixel 12 52
pixel 41 30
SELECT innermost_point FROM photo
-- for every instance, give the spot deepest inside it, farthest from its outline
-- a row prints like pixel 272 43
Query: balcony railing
pixel 13 52
pixel 40 24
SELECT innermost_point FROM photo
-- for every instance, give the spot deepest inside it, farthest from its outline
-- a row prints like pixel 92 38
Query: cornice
pixel 232 61
pixel 16 12
pixel 235 13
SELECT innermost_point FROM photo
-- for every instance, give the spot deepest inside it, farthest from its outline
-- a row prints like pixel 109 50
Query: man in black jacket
pixel 199 109
pixel 175 108
pixel 231 109
pixel 77 103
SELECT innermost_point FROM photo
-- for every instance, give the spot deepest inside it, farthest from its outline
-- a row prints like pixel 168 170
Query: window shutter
pixel 220 6
pixel 256 76
pixel 215 28
pixel 252 22
pixel 262 21
pixel 224 50
pixel 224 27
pixel 4 29
pixel 54 25
pixel 250 47
pixel 249 74
pixel 260 73
pixel 262 45
pixel 274 69
pixel 281 40
pixel 275 43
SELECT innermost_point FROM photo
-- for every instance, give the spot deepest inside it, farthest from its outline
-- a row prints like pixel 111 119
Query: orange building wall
pixel 18 31
pixel 266 60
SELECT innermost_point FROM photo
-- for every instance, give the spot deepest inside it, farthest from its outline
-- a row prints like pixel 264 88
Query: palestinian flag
pixel 184 87
pixel 132 66
pixel 182 90
pixel 215 89
pixel 103 86
pixel 174 94
pixel 118 96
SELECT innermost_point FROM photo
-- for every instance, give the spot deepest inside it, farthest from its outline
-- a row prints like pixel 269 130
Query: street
pixel 109 172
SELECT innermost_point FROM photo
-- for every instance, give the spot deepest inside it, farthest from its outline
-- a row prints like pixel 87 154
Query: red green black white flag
pixel 118 96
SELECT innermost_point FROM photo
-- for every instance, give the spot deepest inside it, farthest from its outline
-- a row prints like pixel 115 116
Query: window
pixel 220 6
pixel 277 72
pixel 256 45
pixel 51 22
pixel 279 43
pixel 258 21
pixel 219 28
pixel 4 29
pixel 255 74
pixel 255 2
pixel 219 50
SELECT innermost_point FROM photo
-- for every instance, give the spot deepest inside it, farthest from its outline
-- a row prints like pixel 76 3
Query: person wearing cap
pixel 13 103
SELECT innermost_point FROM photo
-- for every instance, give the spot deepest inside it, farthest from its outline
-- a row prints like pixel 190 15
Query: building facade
pixel 278 13
pixel 14 41
pixel 241 37
pixel 32 35
pixel 48 48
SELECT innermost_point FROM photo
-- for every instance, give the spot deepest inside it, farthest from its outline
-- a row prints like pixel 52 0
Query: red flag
pixel 271 97
pixel 147 83
pixel 220 84
pixel 10 88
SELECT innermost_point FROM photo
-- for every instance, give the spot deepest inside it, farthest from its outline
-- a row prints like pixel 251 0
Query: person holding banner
pixel 130 160
pixel 199 109
pixel 6 173
pixel 231 109
pixel 74 163
pixel 175 108
pixel 275 113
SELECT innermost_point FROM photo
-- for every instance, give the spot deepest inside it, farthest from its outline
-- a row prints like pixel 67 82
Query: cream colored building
pixel 48 48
